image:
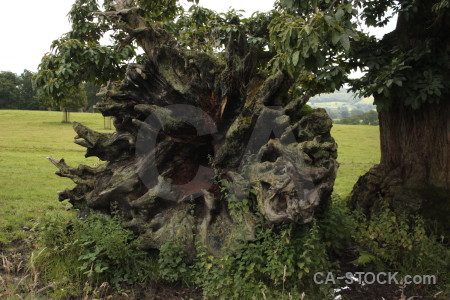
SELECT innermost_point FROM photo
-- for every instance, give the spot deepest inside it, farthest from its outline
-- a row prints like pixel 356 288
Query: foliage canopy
pixel 16 91
pixel 319 42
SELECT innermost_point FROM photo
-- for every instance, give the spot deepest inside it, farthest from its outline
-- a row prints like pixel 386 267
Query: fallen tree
pixel 204 142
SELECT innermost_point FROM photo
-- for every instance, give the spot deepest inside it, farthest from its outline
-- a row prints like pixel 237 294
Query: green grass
pixel 28 185
pixel 358 151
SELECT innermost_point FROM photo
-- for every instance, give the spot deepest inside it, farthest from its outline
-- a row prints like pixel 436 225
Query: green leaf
pixel 365 258
pixel 295 57
pixel 335 37
pixel 330 21
pixel 276 64
pixel 345 42
pixel 307 29
pixel 349 7
pixel 320 60
pixel 339 14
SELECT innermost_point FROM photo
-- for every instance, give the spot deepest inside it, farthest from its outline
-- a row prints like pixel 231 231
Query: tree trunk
pixel 418 143
pixel 202 146
pixel 65 115
pixel 414 173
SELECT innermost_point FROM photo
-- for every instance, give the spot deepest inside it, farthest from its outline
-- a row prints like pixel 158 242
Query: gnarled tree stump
pixel 202 144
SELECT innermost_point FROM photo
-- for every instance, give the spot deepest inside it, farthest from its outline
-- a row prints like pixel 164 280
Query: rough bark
pixel 414 173
pixel 292 170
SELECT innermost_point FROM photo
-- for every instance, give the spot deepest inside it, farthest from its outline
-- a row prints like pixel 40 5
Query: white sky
pixel 27 27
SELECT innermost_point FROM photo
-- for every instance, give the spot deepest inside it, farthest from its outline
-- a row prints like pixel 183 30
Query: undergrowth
pixel 404 244
pixel 279 263
pixel 82 254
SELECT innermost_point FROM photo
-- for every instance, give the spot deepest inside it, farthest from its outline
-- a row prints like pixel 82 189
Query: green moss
pixel 298 115
pixel 178 226
pixel 225 236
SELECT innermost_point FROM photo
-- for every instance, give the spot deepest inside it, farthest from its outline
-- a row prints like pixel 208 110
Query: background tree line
pixel 17 92
pixel 367 118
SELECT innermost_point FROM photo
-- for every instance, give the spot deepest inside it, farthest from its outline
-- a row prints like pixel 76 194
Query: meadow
pixel 28 184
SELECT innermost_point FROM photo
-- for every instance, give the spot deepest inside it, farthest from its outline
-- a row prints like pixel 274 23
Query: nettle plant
pixel 280 262
pixel 401 243
pixel 95 250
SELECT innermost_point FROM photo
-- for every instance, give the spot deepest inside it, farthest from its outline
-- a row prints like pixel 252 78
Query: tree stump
pixel 203 145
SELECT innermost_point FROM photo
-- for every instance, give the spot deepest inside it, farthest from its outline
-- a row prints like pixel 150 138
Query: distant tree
pixel 356 112
pixel 368 118
pixel 351 120
pixel 74 101
pixel 334 114
pixel 345 113
pixel 9 91
pixel 71 101
pixel 91 93
pixel 27 95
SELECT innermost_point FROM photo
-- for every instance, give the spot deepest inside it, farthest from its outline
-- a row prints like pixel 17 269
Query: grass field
pixel 358 151
pixel 28 185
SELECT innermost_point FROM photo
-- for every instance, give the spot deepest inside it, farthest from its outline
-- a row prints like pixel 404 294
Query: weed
pixel 278 263
pixel 172 262
pixel 95 250
pixel 400 243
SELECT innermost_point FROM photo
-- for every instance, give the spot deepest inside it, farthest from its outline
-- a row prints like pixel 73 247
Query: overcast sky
pixel 27 27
